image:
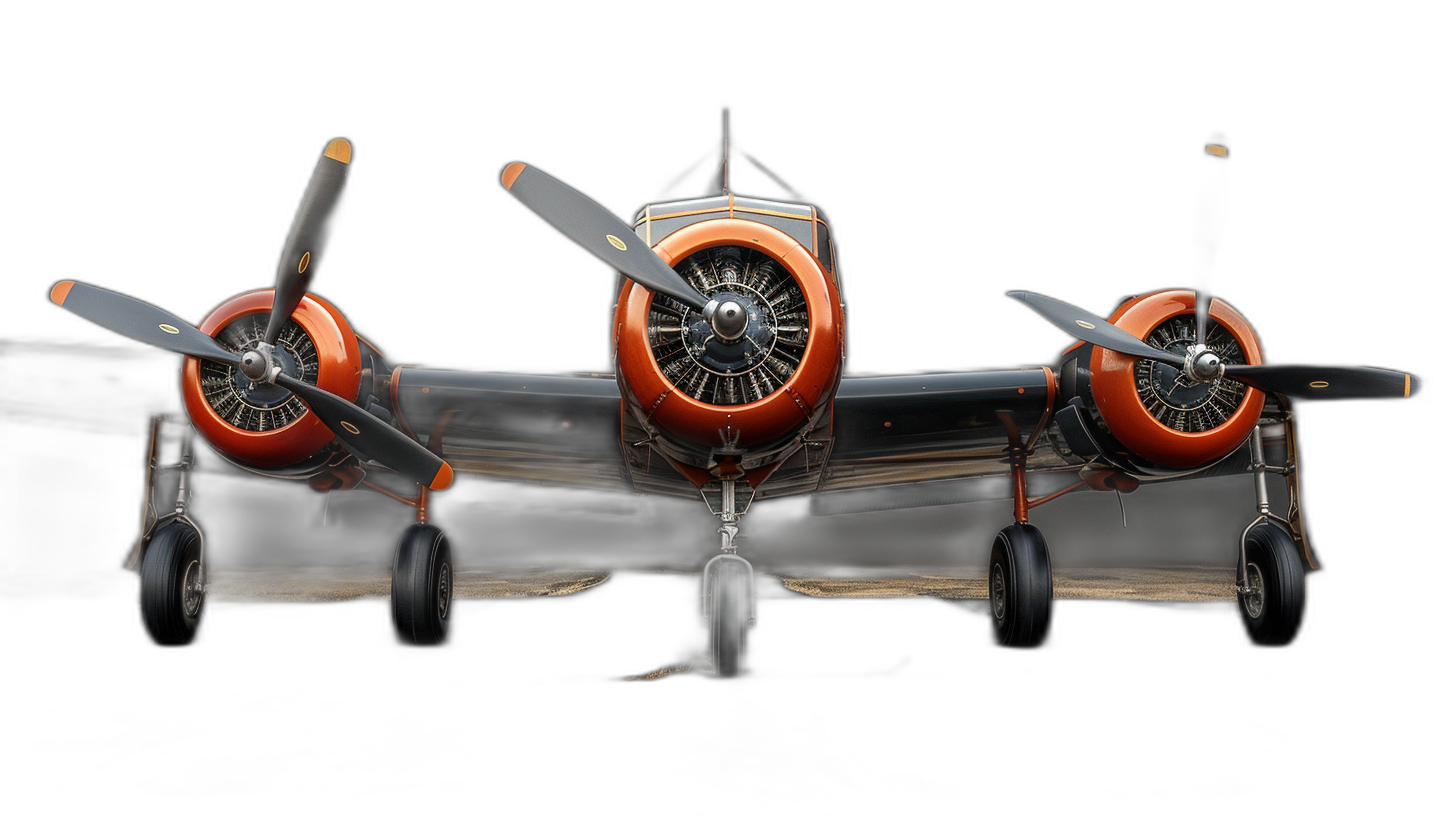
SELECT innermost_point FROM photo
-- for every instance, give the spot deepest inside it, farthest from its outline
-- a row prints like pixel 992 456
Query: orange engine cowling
pixel 267 427
pixel 782 381
pixel 1140 409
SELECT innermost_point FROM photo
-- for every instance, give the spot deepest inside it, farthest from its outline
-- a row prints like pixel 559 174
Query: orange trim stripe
pixel 339 150
pixel 509 175
pixel 63 288
pixel 735 209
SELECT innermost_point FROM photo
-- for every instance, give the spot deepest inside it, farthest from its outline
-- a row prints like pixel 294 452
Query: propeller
pixel 360 430
pixel 367 435
pixel 598 231
pixel 1314 382
pixel 1308 382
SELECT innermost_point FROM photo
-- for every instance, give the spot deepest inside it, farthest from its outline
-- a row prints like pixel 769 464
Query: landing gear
pixel 173 584
pixel 728 601
pixel 728 606
pixel 168 555
pixel 1020 582
pixel 1270 570
pixel 422 586
pixel 1272 599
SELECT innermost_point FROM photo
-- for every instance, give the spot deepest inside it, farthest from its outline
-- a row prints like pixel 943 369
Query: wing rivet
pixel 168 328
pixel 617 242
pixel 349 426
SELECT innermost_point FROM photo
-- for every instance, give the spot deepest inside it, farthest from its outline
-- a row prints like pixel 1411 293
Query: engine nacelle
pixel 1149 414
pixel 703 395
pixel 262 425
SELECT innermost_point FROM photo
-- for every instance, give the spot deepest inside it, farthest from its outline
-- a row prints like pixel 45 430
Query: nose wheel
pixel 728 606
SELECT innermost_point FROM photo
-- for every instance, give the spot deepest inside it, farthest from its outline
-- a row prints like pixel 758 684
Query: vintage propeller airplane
pixel 729 343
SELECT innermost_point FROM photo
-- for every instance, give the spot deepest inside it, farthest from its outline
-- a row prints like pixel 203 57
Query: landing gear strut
pixel 728 599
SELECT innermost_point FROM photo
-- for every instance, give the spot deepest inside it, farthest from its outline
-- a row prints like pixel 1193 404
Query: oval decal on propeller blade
pixel 168 328
pixel 1084 324
pixel 303 263
pixel 1319 384
pixel 349 426
pixel 617 242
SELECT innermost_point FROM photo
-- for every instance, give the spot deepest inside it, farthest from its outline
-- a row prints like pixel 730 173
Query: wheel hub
pixel 1254 591
pixel 998 592
pixel 443 591
pixel 192 589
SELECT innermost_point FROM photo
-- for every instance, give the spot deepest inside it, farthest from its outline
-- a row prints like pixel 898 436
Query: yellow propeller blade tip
pixel 509 175
pixel 339 150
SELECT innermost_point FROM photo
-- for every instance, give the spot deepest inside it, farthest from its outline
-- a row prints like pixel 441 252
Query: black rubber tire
pixel 1275 567
pixel 730 599
pixel 173 558
pixel 422 586
pixel 1020 584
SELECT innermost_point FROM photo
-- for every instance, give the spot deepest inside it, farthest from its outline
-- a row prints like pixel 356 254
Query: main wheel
pixel 1020 582
pixel 172 587
pixel 729 587
pixel 1274 604
pixel 422 586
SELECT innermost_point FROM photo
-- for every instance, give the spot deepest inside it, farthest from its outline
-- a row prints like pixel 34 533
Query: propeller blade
pixel 1207 235
pixel 1325 382
pixel 139 320
pixel 598 231
pixel 1201 303
pixel 306 239
pixel 371 437
pixel 1084 325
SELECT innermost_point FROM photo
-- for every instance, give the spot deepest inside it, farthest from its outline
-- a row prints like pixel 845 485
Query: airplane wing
pixel 897 441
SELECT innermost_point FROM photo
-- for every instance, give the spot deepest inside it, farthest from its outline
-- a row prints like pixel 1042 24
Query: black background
pixel 944 193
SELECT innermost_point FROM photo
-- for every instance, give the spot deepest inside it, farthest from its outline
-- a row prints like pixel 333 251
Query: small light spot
pixel 887 424
pixel 425 390
pixel 1021 390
